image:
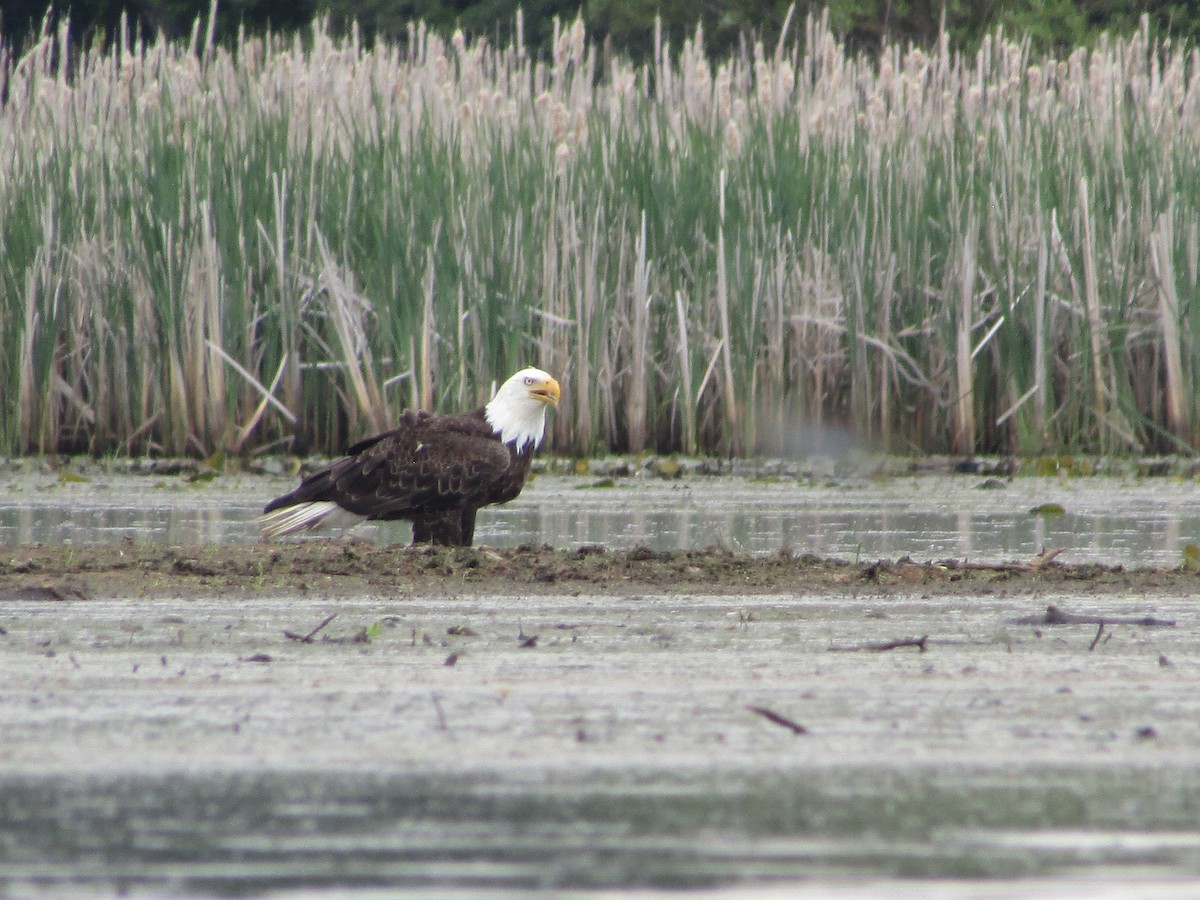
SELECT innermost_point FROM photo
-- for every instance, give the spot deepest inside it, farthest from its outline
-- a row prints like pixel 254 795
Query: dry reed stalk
pixel 28 391
pixel 1162 246
pixel 855 321
pixel 426 362
pixel 1091 296
pixel 964 423
pixel 770 366
pixel 732 412
pixel 287 308
pixel 1193 252
pixel 636 400
pixel 208 328
pixel 586 294
pixel 887 366
pixel 175 440
pixel 1040 372
pixel 561 306
pixel 685 401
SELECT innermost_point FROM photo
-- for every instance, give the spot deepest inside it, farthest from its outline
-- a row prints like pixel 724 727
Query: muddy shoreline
pixel 132 569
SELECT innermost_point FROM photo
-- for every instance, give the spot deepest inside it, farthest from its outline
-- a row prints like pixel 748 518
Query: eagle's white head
pixel 518 411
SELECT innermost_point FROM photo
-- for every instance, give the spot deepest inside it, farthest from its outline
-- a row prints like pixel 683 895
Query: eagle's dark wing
pixel 426 465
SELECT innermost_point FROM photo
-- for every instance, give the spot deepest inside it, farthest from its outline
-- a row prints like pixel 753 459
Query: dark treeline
pixel 627 26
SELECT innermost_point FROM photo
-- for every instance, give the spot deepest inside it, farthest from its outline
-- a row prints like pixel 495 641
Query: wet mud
pixel 353 567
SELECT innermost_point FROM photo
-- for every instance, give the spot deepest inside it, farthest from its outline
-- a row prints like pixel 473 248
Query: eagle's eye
pixel 528 379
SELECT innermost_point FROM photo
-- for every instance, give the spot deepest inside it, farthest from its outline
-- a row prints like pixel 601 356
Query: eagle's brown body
pixel 435 471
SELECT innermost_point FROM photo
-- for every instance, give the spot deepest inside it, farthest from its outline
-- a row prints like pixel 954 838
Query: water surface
pixel 1111 520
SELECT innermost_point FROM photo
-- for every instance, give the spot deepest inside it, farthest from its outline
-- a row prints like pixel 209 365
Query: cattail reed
pixel 284 243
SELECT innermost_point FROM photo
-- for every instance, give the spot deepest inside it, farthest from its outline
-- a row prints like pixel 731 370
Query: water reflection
pixel 1128 540
pixel 1111 521
pixel 272 832
pixel 93 525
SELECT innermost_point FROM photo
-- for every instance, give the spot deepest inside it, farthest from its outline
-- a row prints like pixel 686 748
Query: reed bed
pixel 283 243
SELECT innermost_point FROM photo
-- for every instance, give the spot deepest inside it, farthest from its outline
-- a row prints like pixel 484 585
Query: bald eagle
pixel 435 471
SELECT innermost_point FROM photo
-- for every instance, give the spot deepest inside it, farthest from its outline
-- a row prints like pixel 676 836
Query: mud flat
pixel 198 720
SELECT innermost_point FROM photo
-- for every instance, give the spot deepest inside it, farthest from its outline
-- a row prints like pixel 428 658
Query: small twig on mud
pixel 1096 639
pixel 308 638
pixel 1055 616
pixel 771 716
pixel 919 643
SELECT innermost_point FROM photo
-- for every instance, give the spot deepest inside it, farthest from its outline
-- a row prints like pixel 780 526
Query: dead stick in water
pixel 1055 616
pixel 919 643
pixel 771 716
pixel 1096 639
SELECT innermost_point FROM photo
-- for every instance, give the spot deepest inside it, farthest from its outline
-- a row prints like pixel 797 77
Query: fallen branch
pixel 308 638
pixel 1039 562
pixel 1096 639
pixel 771 716
pixel 1055 616
pixel 919 643
pixel 1044 558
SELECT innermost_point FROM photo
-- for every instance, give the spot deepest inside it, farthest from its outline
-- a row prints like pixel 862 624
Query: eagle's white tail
pixel 312 516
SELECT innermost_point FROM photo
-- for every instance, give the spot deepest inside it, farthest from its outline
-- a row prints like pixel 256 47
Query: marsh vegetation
pixel 282 243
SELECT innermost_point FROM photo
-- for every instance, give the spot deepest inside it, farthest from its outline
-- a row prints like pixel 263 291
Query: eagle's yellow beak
pixel 547 391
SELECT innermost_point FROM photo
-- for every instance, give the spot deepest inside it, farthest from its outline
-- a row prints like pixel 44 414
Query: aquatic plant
pixel 282 243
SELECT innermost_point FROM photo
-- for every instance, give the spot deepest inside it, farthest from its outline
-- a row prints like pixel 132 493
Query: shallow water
pixel 1110 520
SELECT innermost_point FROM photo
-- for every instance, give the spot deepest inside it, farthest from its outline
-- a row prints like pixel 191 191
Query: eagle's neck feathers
pixel 516 420
pixel 517 414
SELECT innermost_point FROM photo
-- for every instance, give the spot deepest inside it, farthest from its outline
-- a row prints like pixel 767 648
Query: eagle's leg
pixel 467 530
pixel 421 533
pixel 445 531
